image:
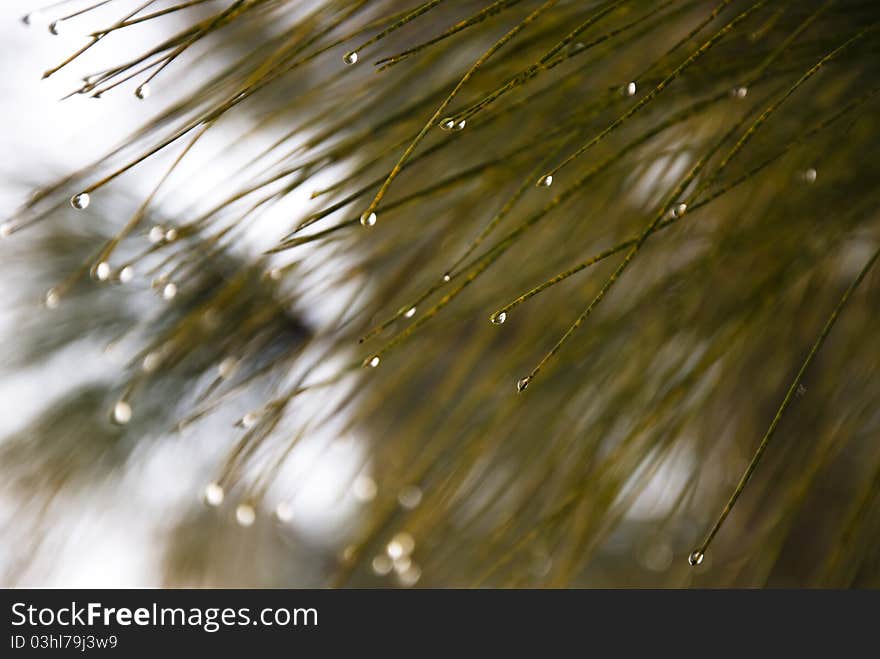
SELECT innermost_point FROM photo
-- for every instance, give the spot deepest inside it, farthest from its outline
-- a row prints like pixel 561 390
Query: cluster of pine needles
pixel 607 268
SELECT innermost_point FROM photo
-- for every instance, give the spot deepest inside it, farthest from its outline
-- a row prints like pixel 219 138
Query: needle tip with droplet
pixel 80 201
pixel 695 558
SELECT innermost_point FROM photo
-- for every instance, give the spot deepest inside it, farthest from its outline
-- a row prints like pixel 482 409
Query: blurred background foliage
pixel 723 152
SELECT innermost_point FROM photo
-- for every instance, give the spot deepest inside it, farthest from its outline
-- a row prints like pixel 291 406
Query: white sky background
pixel 112 536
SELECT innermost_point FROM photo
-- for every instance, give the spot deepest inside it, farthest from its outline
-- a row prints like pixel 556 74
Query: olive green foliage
pixel 650 308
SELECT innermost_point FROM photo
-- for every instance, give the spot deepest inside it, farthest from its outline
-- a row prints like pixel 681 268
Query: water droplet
pixel 102 271
pixel 142 92
pixel 284 511
pixel 678 210
pixel 211 319
pixel 170 291
pixel 546 181
pixel 6 229
pixel 402 564
pixel 348 554
pixel 450 124
pixel 151 362
pixel 410 497
pixel 410 312
pixel 80 201
pixel 695 558
pixel 523 383
pixel 52 299
pixel 656 555
pixel 227 367
pixel 402 544
pixel 121 412
pixel 410 577
pixel 498 318
pixel 350 57
pixel 126 274
pixel 446 277
pixel 382 565
pixel 55 27
pixel 245 514
pixel 171 235
pixel 740 92
pixel 249 420
pixel 630 89
pixel 213 494
pixel 810 175
pixel 373 362
pixel 157 234
pixel 368 219
pixel 364 488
